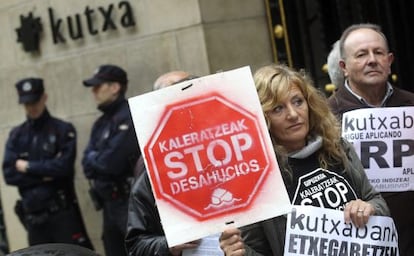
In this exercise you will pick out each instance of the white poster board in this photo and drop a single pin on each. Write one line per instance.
(384, 140)
(320, 231)
(209, 155)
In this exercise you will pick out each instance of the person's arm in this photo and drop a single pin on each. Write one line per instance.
(145, 235)
(366, 191)
(11, 155)
(114, 155)
(370, 201)
(61, 165)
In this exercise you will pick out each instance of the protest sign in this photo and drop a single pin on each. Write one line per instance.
(318, 231)
(208, 154)
(383, 139)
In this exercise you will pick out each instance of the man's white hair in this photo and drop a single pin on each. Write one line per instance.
(169, 79)
(334, 70)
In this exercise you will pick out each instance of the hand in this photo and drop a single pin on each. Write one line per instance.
(178, 249)
(358, 212)
(21, 165)
(231, 242)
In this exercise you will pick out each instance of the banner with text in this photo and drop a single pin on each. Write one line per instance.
(319, 231)
(384, 140)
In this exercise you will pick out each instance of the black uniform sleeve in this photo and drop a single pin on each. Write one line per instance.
(10, 173)
(115, 155)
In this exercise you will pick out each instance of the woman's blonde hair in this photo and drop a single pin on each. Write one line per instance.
(273, 83)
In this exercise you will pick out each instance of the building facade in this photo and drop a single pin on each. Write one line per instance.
(64, 41)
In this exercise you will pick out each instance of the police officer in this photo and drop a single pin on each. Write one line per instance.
(110, 155)
(39, 159)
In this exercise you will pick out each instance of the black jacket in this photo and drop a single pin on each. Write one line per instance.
(145, 235)
(342, 101)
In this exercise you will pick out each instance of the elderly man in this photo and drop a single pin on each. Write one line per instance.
(366, 63)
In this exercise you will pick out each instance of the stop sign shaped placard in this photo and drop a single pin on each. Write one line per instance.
(207, 156)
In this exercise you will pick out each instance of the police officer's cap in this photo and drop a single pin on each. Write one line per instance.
(107, 73)
(30, 90)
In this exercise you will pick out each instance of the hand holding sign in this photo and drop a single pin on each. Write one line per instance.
(231, 242)
(359, 212)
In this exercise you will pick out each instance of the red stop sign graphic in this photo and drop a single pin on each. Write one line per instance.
(207, 157)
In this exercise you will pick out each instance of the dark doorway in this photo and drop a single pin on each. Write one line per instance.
(311, 26)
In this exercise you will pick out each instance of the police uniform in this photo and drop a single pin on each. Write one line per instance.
(109, 159)
(48, 207)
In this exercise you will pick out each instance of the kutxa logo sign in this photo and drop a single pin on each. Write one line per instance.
(74, 27)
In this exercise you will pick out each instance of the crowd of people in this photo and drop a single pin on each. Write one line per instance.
(304, 126)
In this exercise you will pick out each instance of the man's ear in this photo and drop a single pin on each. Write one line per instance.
(342, 65)
(115, 87)
(391, 58)
(44, 97)
(390, 61)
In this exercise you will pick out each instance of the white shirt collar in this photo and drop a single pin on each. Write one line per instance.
(388, 94)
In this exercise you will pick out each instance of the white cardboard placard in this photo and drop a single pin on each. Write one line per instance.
(209, 155)
(383, 139)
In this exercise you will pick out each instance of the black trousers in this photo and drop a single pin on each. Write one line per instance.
(63, 226)
(115, 214)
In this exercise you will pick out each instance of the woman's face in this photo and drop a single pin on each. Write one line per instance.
(289, 120)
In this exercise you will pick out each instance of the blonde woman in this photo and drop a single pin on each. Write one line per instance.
(308, 144)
